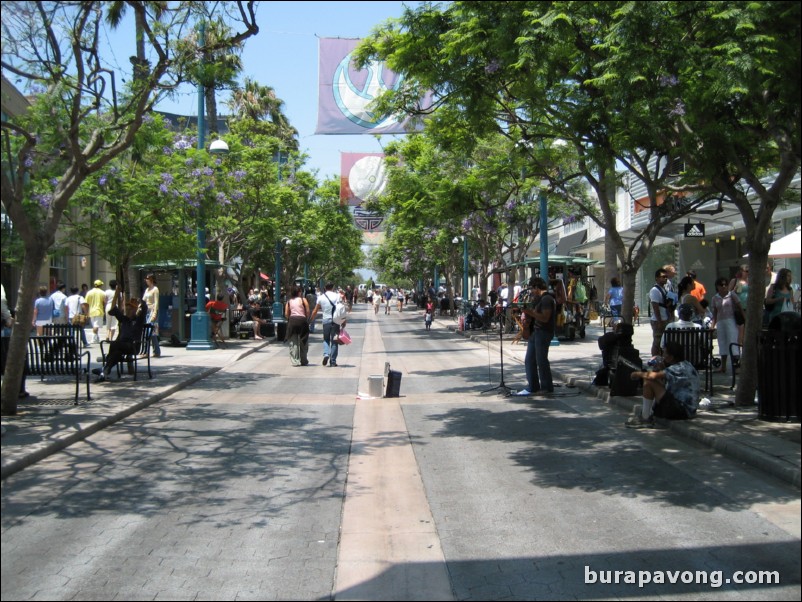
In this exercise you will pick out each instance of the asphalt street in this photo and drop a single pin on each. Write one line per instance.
(264, 481)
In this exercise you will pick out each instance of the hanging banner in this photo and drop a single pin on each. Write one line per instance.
(345, 93)
(362, 177)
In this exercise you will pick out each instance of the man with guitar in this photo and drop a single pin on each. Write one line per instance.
(541, 317)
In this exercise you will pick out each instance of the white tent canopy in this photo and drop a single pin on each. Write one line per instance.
(787, 247)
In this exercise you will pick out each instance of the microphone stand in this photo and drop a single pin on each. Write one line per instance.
(503, 387)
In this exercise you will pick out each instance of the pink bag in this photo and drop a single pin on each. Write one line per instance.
(344, 338)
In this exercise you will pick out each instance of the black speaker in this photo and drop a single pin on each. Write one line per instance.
(393, 384)
(621, 383)
(267, 330)
(281, 331)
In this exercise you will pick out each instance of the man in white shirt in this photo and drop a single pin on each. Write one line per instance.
(685, 313)
(59, 300)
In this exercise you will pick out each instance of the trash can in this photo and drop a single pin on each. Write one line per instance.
(281, 331)
(375, 385)
(778, 376)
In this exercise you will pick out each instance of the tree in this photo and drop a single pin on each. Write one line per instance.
(729, 74)
(75, 127)
(260, 105)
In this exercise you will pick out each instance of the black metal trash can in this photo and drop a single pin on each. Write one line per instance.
(778, 376)
(281, 331)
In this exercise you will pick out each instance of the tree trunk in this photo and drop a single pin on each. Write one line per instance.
(628, 279)
(15, 365)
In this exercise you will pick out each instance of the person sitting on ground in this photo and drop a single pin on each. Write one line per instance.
(253, 317)
(671, 393)
(130, 324)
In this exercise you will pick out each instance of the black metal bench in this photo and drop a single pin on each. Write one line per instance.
(58, 355)
(141, 348)
(697, 344)
(235, 318)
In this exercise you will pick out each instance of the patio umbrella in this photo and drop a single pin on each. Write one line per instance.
(787, 247)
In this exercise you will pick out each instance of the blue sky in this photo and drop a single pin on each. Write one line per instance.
(284, 55)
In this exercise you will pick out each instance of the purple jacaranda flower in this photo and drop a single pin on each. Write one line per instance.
(103, 180)
(678, 110)
(668, 80)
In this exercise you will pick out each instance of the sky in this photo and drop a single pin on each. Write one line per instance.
(284, 55)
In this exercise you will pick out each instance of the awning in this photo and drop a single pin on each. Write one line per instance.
(264, 276)
(788, 246)
(567, 243)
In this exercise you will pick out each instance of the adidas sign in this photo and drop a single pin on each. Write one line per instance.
(694, 230)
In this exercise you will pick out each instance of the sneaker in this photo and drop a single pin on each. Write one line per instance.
(524, 393)
(97, 371)
(100, 379)
(333, 364)
(636, 422)
(325, 359)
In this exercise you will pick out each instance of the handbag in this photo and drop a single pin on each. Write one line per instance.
(79, 320)
(344, 338)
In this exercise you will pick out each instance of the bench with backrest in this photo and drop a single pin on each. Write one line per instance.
(141, 348)
(697, 344)
(58, 355)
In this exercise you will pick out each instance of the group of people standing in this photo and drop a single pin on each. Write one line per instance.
(726, 311)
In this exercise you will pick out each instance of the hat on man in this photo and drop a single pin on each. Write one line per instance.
(691, 273)
(98, 283)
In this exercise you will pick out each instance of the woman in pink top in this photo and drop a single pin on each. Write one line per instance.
(297, 313)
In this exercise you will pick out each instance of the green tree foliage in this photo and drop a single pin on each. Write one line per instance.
(77, 126)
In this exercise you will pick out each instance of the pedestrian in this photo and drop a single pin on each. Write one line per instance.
(377, 301)
(111, 321)
(686, 298)
(77, 311)
(400, 300)
(326, 305)
(131, 320)
(42, 311)
(59, 299)
(387, 296)
(615, 297)
(296, 312)
(543, 315)
(699, 290)
(253, 317)
(780, 295)
(662, 309)
(428, 317)
(151, 299)
(725, 308)
(96, 298)
(671, 286)
(217, 310)
(671, 393)
(311, 300)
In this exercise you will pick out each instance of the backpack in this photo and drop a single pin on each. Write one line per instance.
(339, 311)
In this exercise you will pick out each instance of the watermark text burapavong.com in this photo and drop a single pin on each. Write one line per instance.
(714, 579)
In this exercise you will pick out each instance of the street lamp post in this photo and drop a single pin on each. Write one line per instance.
(278, 311)
(465, 291)
(200, 326)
